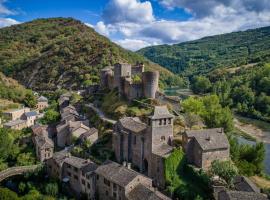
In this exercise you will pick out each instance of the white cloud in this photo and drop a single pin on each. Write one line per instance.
(222, 19)
(118, 11)
(7, 22)
(88, 24)
(4, 10)
(133, 44)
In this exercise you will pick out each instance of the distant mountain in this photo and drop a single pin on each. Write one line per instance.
(204, 55)
(60, 52)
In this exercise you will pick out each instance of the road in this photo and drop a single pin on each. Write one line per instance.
(100, 113)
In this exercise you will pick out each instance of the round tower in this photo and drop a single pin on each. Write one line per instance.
(150, 84)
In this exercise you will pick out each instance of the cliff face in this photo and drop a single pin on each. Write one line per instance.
(60, 52)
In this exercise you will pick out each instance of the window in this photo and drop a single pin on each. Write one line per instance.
(88, 185)
(114, 195)
(160, 122)
(164, 121)
(69, 174)
(83, 182)
(114, 186)
(97, 177)
(170, 121)
(76, 177)
(162, 138)
(106, 182)
(75, 169)
(107, 193)
(134, 140)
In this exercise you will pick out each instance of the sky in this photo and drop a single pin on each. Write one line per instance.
(135, 24)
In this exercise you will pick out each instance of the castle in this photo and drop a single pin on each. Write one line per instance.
(131, 81)
(145, 145)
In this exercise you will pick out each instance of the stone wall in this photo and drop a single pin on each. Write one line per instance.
(150, 84)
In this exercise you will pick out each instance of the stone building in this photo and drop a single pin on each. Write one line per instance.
(124, 77)
(114, 181)
(145, 145)
(235, 195)
(44, 147)
(42, 103)
(17, 124)
(30, 118)
(15, 114)
(204, 146)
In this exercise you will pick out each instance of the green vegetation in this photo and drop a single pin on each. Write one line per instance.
(46, 53)
(210, 110)
(13, 91)
(225, 170)
(181, 178)
(204, 55)
(247, 90)
(248, 159)
(51, 114)
(13, 151)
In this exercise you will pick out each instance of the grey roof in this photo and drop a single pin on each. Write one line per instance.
(31, 114)
(242, 183)
(161, 112)
(60, 156)
(163, 150)
(210, 139)
(132, 124)
(80, 163)
(43, 142)
(239, 195)
(14, 122)
(88, 133)
(42, 99)
(141, 192)
(116, 173)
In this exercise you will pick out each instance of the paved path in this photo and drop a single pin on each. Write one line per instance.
(100, 113)
(12, 171)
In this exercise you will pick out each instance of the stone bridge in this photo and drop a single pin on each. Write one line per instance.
(12, 171)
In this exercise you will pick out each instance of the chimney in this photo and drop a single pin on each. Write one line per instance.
(129, 165)
(124, 163)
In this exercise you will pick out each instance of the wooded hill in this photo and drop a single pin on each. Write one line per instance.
(60, 52)
(203, 55)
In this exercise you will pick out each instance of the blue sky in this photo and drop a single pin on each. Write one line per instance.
(138, 23)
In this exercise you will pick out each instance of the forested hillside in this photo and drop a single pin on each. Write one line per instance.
(203, 55)
(247, 89)
(60, 52)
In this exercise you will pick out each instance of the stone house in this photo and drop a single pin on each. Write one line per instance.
(30, 118)
(17, 124)
(235, 195)
(78, 173)
(66, 131)
(42, 103)
(15, 114)
(44, 147)
(145, 145)
(204, 146)
(115, 181)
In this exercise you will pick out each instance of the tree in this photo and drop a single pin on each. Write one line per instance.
(200, 85)
(25, 159)
(6, 194)
(30, 99)
(191, 120)
(51, 189)
(225, 170)
(193, 105)
(50, 116)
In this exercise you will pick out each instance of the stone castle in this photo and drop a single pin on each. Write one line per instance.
(131, 81)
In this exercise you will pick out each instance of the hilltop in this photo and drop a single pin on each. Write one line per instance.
(203, 55)
(60, 53)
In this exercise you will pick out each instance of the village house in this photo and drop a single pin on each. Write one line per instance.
(15, 114)
(235, 195)
(43, 144)
(115, 181)
(42, 103)
(30, 118)
(17, 124)
(145, 145)
(204, 146)
(67, 131)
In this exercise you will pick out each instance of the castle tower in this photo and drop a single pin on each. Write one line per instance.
(150, 84)
(120, 71)
(104, 73)
(160, 126)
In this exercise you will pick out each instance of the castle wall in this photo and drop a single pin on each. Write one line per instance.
(150, 84)
(135, 91)
(121, 70)
(137, 70)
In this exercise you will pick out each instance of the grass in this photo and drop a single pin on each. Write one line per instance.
(261, 181)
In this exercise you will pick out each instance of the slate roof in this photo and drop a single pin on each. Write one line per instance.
(162, 150)
(161, 112)
(31, 114)
(88, 133)
(132, 124)
(80, 163)
(116, 173)
(210, 139)
(141, 192)
(242, 183)
(42, 99)
(239, 195)
(60, 156)
(42, 141)
(14, 122)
